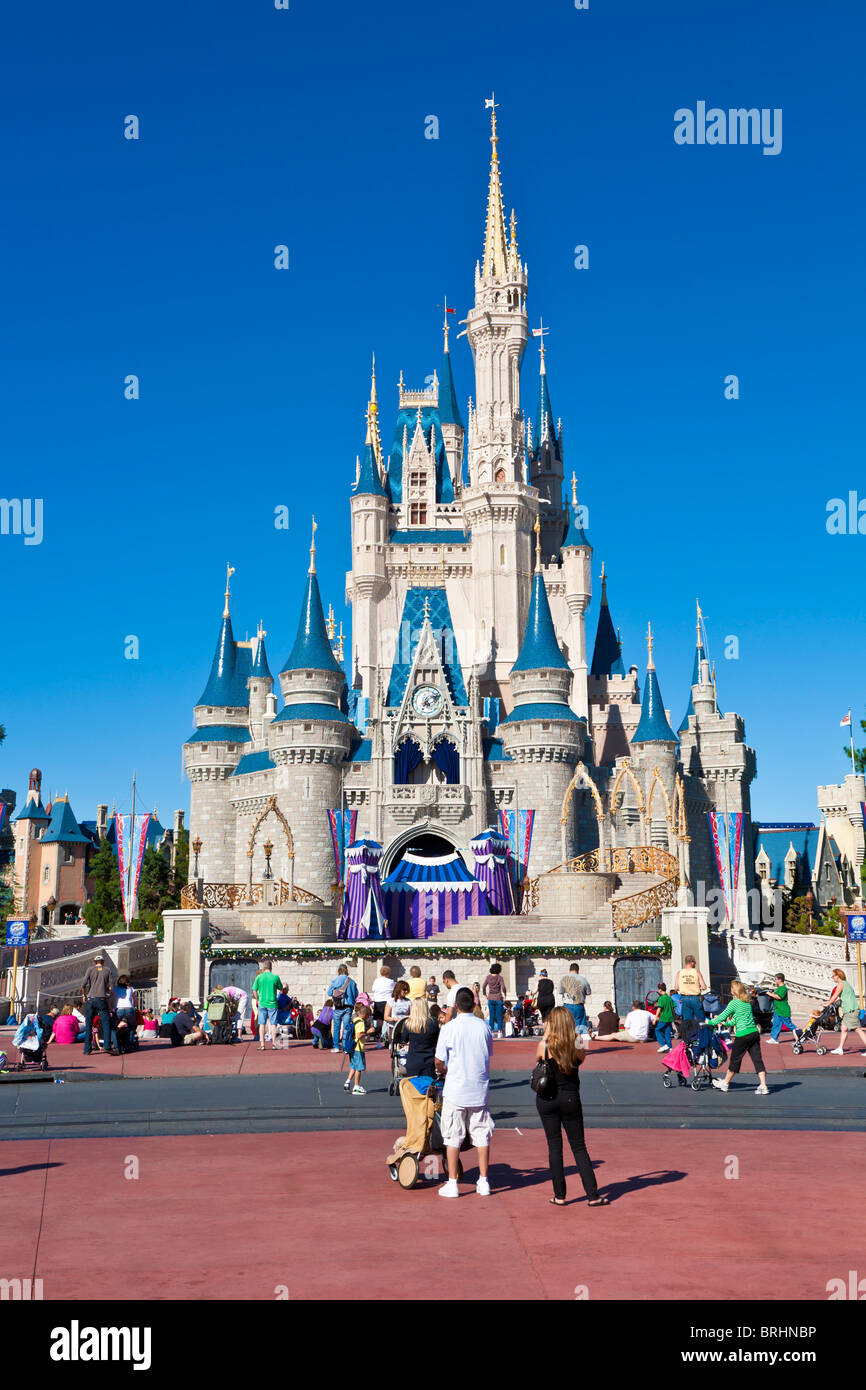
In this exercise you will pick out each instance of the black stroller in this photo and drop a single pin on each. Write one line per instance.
(398, 1048)
(31, 1039)
(825, 1020)
(221, 1009)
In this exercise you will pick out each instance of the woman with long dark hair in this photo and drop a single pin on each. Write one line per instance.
(559, 1106)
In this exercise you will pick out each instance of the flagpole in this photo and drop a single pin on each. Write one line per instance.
(129, 902)
(851, 729)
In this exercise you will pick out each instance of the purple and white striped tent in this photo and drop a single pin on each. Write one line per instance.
(424, 896)
(363, 906)
(491, 869)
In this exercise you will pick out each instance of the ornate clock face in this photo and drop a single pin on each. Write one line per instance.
(427, 701)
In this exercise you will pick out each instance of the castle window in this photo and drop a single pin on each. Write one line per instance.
(418, 514)
(500, 475)
(45, 873)
(418, 480)
(69, 857)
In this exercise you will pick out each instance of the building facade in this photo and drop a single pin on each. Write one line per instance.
(469, 686)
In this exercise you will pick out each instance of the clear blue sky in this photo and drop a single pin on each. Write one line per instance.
(306, 127)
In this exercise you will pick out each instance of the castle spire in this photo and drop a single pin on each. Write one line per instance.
(537, 529)
(494, 262)
(540, 649)
(606, 656)
(653, 726)
(449, 410)
(229, 573)
(700, 657)
(312, 569)
(575, 535)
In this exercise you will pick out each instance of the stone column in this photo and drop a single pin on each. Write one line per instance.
(687, 928)
(181, 965)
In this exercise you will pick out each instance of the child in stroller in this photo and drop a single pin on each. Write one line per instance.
(822, 1020)
(695, 1057)
(32, 1036)
(526, 1018)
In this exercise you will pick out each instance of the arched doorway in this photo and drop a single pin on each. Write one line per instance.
(427, 843)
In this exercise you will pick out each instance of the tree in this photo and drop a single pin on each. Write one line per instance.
(154, 885)
(180, 877)
(799, 916)
(831, 922)
(104, 912)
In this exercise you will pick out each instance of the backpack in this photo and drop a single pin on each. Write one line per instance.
(349, 1045)
(339, 996)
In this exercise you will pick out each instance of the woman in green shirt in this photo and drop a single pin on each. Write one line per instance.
(843, 995)
(747, 1038)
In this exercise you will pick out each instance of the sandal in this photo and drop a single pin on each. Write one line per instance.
(599, 1201)
(557, 1201)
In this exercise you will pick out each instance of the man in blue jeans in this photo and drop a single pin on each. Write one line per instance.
(97, 988)
(575, 991)
(691, 986)
(344, 992)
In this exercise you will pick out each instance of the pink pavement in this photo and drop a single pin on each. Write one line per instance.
(242, 1216)
(513, 1054)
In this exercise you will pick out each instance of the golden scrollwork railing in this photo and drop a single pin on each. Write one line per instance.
(642, 907)
(231, 895)
(623, 859)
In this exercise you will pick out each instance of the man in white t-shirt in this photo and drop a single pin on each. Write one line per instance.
(463, 1054)
(637, 1024)
(451, 987)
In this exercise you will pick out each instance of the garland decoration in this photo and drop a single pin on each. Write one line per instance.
(349, 950)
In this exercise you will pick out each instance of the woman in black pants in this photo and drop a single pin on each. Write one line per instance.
(559, 1109)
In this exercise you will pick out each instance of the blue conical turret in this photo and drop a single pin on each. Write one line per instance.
(227, 682)
(370, 470)
(700, 655)
(260, 666)
(606, 655)
(653, 726)
(312, 649)
(575, 535)
(540, 650)
(449, 411)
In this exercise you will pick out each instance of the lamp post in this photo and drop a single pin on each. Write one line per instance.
(196, 849)
(269, 849)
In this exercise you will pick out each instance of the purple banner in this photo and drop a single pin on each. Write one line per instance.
(131, 843)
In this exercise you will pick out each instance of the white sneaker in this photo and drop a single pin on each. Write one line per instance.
(335, 1049)
(719, 1085)
(482, 1187)
(449, 1188)
(347, 1085)
(664, 1049)
(774, 1041)
(837, 1052)
(358, 1091)
(762, 1091)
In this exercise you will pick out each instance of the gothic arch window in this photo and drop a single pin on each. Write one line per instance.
(500, 475)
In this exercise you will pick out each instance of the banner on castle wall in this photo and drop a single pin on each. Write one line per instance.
(863, 812)
(342, 825)
(726, 833)
(131, 843)
(517, 828)
(4, 808)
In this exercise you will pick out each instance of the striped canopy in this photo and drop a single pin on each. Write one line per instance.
(423, 896)
(363, 905)
(491, 869)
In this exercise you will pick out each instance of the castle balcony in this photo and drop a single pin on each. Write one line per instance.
(447, 803)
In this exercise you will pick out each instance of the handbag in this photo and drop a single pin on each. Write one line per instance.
(542, 1078)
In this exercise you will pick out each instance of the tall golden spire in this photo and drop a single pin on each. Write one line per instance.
(513, 255)
(312, 569)
(332, 624)
(373, 435)
(229, 573)
(574, 489)
(603, 583)
(537, 529)
(495, 259)
(650, 642)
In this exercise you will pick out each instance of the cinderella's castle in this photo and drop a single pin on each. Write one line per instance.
(469, 686)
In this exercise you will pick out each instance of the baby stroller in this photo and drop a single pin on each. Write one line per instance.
(694, 1059)
(31, 1040)
(221, 1009)
(526, 1018)
(423, 1135)
(398, 1049)
(826, 1020)
(295, 1025)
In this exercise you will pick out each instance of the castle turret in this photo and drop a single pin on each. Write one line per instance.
(654, 725)
(542, 732)
(577, 573)
(700, 658)
(30, 825)
(212, 753)
(308, 741)
(367, 581)
(545, 467)
(654, 753)
(449, 416)
(262, 700)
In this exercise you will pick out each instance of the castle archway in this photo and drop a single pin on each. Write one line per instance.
(428, 841)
